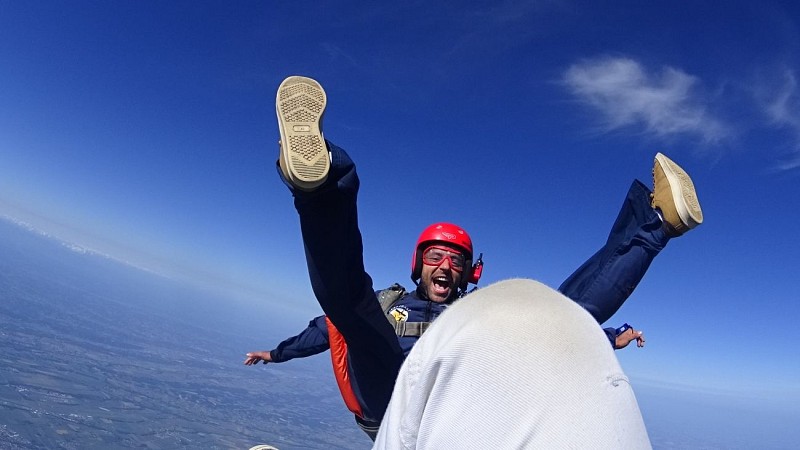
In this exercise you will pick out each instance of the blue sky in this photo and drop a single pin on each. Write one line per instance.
(146, 131)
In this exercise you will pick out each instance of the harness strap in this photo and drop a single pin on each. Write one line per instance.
(387, 298)
(410, 328)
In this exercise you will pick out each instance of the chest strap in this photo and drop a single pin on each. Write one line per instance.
(414, 329)
(387, 298)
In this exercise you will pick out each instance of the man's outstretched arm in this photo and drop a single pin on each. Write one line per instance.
(311, 341)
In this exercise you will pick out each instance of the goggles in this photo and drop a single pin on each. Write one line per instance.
(435, 256)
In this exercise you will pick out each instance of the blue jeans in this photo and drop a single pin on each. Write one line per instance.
(603, 283)
(334, 254)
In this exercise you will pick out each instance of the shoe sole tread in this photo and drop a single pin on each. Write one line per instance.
(300, 105)
(683, 191)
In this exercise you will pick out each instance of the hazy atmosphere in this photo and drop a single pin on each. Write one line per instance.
(144, 133)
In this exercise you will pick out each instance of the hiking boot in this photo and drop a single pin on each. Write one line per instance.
(674, 195)
(300, 104)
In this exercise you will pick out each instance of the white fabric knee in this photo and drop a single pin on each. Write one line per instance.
(513, 365)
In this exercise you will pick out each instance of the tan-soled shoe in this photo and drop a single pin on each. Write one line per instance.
(300, 105)
(674, 195)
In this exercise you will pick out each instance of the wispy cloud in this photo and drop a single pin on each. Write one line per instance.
(503, 13)
(781, 105)
(663, 103)
(492, 27)
(336, 54)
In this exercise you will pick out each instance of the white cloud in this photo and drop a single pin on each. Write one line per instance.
(626, 95)
(782, 107)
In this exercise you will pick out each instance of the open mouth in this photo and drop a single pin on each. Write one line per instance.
(441, 286)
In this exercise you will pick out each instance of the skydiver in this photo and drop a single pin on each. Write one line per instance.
(323, 181)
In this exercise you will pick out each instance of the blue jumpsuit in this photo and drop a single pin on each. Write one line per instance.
(334, 254)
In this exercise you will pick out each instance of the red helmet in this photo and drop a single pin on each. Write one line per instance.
(451, 235)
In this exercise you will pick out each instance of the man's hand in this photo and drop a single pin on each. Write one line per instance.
(627, 336)
(265, 357)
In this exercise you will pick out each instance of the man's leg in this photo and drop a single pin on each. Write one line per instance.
(603, 283)
(326, 203)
